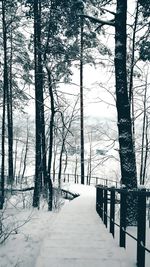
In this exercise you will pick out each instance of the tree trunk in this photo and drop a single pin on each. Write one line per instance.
(60, 168)
(126, 149)
(90, 160)
(66, 162)
(75, 171)
(2, 178)
(81, 105)
(38, 163)
(15, 161)
(144, 141)
(131, 72)
(5, 88)
(20, 165)
(133, 59)
(51, 137)
(146, 151)
(10, 119)
(54, 160)
(60, 161)
(127, 155)
(25, 155)
(41, 100)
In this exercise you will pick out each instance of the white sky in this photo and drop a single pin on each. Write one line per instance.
(94, 93)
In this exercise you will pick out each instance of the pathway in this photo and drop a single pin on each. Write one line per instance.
(79, 239)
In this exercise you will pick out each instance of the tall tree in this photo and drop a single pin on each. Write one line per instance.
(126, 147)
(10, 115)
(39, 104)
(127, 154)
(51, 137)
(5, 88)
(81, 101)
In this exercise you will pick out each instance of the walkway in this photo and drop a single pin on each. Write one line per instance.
(79, 239)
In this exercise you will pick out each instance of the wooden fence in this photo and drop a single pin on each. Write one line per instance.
(108, 197)
(76, 178)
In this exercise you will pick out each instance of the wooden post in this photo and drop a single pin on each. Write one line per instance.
(101, 202)
(105, 207)
(123, 196)
(141, 230)
(112, 212)
(64, 180)
(87, 179)
(97, 200)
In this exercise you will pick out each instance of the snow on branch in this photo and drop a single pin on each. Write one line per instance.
(102, 22)
(106, 10)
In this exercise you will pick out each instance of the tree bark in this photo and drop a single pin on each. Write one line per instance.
(126, 148)
(10, 117)
(38, 163)
(127, 155)
(131, 72)
(51, 137)
(41, 100)
(25, 155)
(60, 158)
(144, 141)
(81, 105)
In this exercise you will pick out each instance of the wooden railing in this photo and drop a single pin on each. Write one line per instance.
(107, 197)
(92, 180)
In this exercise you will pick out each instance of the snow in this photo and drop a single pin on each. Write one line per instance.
(74, 236)
(79, 238)
(22, 248)
(141, 186)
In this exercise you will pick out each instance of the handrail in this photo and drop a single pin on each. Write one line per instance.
(88, 180)
(101, 207)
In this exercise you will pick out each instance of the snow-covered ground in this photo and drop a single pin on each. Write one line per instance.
(73, 236)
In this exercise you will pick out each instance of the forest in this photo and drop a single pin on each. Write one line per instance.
(45, 131)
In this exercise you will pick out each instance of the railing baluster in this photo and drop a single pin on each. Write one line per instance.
(99, 202)
(87, 179)
(123, 196)
(112, 212)
(97, 199)
(105, 206)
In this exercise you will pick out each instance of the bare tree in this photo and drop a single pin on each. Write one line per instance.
(144, 139)
(38, 101)
(66, 125)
